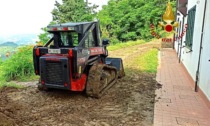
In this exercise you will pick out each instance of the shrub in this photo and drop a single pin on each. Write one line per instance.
(129, 36)
(114, 40)
(18, 65)
(1, 61)
(105, 34)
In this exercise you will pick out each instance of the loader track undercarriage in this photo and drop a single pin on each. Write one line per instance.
(100, 78)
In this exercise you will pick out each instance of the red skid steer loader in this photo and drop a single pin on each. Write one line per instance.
(75, 59)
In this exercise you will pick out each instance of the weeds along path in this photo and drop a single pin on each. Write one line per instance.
(130, 102)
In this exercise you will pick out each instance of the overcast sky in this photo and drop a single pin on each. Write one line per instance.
(27, 16)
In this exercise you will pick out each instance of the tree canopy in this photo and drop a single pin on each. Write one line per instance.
(69, 11)
(131, 19)
(121, 20)
(73, 11)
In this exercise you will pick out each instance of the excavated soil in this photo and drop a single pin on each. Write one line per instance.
(130, 102)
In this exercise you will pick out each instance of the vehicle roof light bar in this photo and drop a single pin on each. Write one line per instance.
(61, 29)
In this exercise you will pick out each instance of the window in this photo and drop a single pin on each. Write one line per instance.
(89, 42)
(190, 27)
(69, 39)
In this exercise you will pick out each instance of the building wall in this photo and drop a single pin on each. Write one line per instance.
(190, 59)
(205, 57)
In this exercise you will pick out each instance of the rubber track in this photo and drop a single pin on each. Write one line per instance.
(101, 77)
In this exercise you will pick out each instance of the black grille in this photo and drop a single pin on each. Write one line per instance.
(54, 73)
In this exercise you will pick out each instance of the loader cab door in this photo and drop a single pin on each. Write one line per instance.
(91, 37)
(90, 41)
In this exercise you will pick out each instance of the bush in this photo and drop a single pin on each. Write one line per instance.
(114, 40)
(105, 34)
(129, 36)
(18, 65)
(1, 61)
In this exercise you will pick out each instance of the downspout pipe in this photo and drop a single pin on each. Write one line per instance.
(180, 54)
(201, 47)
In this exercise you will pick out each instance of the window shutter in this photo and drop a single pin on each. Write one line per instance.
(190, 28)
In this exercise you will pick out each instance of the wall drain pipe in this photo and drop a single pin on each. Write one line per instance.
(201, 47)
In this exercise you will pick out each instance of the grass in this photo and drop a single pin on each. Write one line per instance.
(147, 62)
(9, 84)
(28, 78)
(124, 45)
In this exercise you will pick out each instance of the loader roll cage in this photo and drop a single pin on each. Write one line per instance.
(70, 35)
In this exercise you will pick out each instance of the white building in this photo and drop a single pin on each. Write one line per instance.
(193, 49)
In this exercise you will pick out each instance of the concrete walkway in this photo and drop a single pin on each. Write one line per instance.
(176, 102)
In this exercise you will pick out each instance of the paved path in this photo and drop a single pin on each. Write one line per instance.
(177, 103)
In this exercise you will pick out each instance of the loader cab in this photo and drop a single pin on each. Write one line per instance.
(70, 35)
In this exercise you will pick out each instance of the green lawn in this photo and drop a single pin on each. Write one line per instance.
(125, 44)
(148, 62)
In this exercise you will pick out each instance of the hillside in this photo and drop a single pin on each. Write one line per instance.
(11, 44)
(7, 47)
(19, 39)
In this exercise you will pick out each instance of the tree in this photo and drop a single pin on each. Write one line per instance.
(69, 11)
(44, 37)
(73, 11)
(131, 19)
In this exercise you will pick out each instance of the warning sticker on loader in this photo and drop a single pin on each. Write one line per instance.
(54, 51)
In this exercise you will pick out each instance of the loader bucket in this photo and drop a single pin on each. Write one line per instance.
(116, 62)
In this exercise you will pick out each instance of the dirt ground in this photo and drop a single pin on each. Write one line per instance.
(130, 102)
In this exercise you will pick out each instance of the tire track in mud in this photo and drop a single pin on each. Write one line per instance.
(130, 102)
